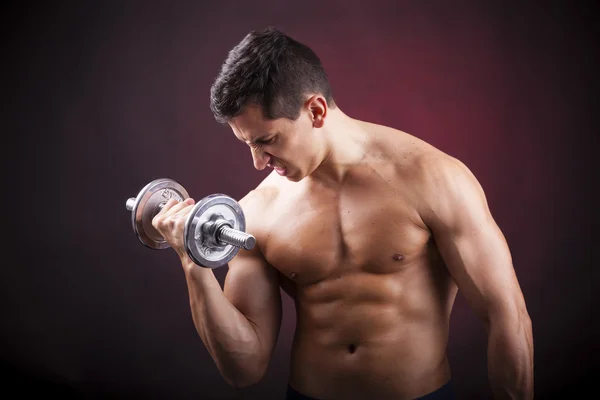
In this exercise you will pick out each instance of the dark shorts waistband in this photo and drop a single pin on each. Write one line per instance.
(445, 392)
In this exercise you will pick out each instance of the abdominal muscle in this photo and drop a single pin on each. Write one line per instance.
(377, 336)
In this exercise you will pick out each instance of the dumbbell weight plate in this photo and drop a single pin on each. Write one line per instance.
(147, 205)
(200, 246)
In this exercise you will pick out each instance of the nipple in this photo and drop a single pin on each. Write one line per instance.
(398, 257)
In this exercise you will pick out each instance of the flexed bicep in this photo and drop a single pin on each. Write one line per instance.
(252, 286)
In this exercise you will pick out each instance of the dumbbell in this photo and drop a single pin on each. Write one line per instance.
(214, 231)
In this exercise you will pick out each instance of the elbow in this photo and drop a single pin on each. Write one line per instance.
(244, 381)
(243, 384)
(246, 377)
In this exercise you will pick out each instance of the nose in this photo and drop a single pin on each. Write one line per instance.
(260, 159)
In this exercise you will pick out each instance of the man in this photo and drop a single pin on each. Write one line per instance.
(370, 230)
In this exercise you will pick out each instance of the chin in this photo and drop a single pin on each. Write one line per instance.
(294, 177)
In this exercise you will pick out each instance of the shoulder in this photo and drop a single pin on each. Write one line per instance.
(407, 152)
(415, 160)
(440, 183)
(255, 205)
(256, 201)
(441, 174)
(436, 169)
(427, 165)
(449, 191)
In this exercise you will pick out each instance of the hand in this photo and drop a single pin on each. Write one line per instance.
(170, 223)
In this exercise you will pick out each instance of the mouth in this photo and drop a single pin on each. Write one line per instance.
(280, 170)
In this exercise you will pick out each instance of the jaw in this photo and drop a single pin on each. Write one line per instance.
(293, 178)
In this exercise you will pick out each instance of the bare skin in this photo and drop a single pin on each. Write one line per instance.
(372, 232)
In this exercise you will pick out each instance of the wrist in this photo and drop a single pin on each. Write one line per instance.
(194, 271)
(186, 262)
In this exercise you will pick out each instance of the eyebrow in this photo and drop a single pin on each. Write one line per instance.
(258, 139)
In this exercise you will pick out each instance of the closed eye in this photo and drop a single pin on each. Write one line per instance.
(258, 143)
(266, 141)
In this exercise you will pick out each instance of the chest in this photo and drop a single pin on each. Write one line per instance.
(313, 235)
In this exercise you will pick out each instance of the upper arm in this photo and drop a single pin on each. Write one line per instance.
(469, 240)
(252, 286)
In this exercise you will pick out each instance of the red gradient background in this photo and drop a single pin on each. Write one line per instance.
(102, 97)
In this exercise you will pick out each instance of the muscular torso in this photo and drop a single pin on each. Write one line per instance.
(373, 296)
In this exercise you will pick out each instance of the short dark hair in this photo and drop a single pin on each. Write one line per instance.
(271, 70)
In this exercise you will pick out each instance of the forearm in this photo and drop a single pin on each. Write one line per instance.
(510, 357)
(227, 334)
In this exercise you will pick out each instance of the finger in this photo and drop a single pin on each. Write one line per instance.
(168, 205)
(174, 209)
(183, 211)
(186, 203)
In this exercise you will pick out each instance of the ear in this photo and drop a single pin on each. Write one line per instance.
(317, 108)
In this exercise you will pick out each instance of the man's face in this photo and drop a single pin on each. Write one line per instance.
(287, 146)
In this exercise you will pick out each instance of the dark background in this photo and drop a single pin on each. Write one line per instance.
(102, 97)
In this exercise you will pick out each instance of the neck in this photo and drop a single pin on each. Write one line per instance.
(345, 146)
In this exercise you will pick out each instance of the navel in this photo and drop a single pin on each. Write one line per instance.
(398, 257)
(351, 348)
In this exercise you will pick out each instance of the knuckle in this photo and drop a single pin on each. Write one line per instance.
(168, 222)
(180, 223)
(157, 221)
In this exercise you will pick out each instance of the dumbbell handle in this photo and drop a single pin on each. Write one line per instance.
(236, 238)
(131, 203)
(224, 234)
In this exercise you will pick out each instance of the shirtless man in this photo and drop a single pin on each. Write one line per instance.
(370, 230)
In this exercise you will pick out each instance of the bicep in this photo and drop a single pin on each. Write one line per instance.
(251, 285)
(472, 245)
(479, 261)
